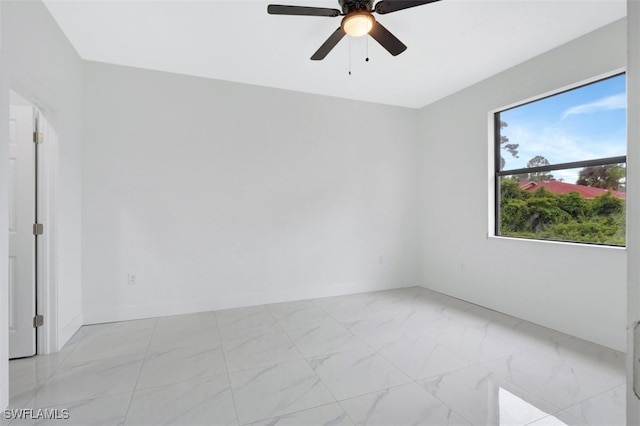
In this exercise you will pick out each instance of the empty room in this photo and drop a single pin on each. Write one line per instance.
(322, 212)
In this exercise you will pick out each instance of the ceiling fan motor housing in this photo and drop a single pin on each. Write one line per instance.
(358, 21)
(354, 5)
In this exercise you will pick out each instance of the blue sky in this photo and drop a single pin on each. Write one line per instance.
(585, 123)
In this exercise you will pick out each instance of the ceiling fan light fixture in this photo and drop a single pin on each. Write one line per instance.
(357, 24)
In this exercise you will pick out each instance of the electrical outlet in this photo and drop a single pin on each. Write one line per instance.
(131, 279)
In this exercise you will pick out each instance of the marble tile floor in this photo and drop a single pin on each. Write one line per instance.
(399, 357)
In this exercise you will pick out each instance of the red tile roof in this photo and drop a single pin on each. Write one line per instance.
(557, 187)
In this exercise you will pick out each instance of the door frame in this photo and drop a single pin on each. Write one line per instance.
(633, 212)
(46, 243)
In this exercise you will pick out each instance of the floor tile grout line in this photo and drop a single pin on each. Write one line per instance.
(292, 413)
(226, 366)
(585, 399)
(51, 376)
(542, 398)
(310, 367)
(61, 362)
(311, 357)
(444, 403)
(435, 375)
(547, 416)
(78, 400)
(544, 353)
(323, 383)
(380, 390)
(181, 382)
(295, 361)
(377, 391)
(346, 412)
(474, 361)
(526, 390)
(523, 350)
(133, 392)
(373, 348)
(397, 386)
(40, 384)
(328, 353)
(53, 372)
(281, 330)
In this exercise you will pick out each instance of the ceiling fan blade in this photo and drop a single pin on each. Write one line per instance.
(328, 45)
(386, 39)
(277, 9)
(388, 6)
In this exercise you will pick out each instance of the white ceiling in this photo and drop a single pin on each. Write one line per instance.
(451, 44)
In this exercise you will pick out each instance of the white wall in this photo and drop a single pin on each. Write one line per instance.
(576, 289)
(218, 194)
(633, 208)
(40, 64)
(4, 243)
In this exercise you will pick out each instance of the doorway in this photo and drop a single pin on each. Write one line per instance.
(31, 230)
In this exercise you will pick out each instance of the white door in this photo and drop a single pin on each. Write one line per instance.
(22, 242)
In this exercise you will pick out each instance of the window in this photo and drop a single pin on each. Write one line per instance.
(560, 166)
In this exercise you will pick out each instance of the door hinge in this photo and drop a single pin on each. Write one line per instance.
(38, 321)
(38, 137)
(38, 229)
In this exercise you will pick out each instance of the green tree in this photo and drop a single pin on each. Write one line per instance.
(607, 205)
(562, 217)
(538, 161)
(590, 231)
(510, 190)
(511, 148)
(609, 176)
(533, 214)
(574, 204)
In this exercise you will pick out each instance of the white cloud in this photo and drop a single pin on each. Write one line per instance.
(558, 146)
(618, 101)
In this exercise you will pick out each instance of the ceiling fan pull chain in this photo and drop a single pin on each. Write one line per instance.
(367, 58)
(349, 55)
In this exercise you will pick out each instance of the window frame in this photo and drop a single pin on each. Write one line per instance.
(498, 174)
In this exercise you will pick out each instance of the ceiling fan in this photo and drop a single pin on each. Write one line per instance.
(358, 21)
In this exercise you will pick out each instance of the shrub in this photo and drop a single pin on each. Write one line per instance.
(564, 217)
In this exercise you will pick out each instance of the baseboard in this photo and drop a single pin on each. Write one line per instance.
(65, 333)
(95, 314)
(545, 320)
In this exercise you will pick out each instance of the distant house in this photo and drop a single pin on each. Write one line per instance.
(556, 187)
